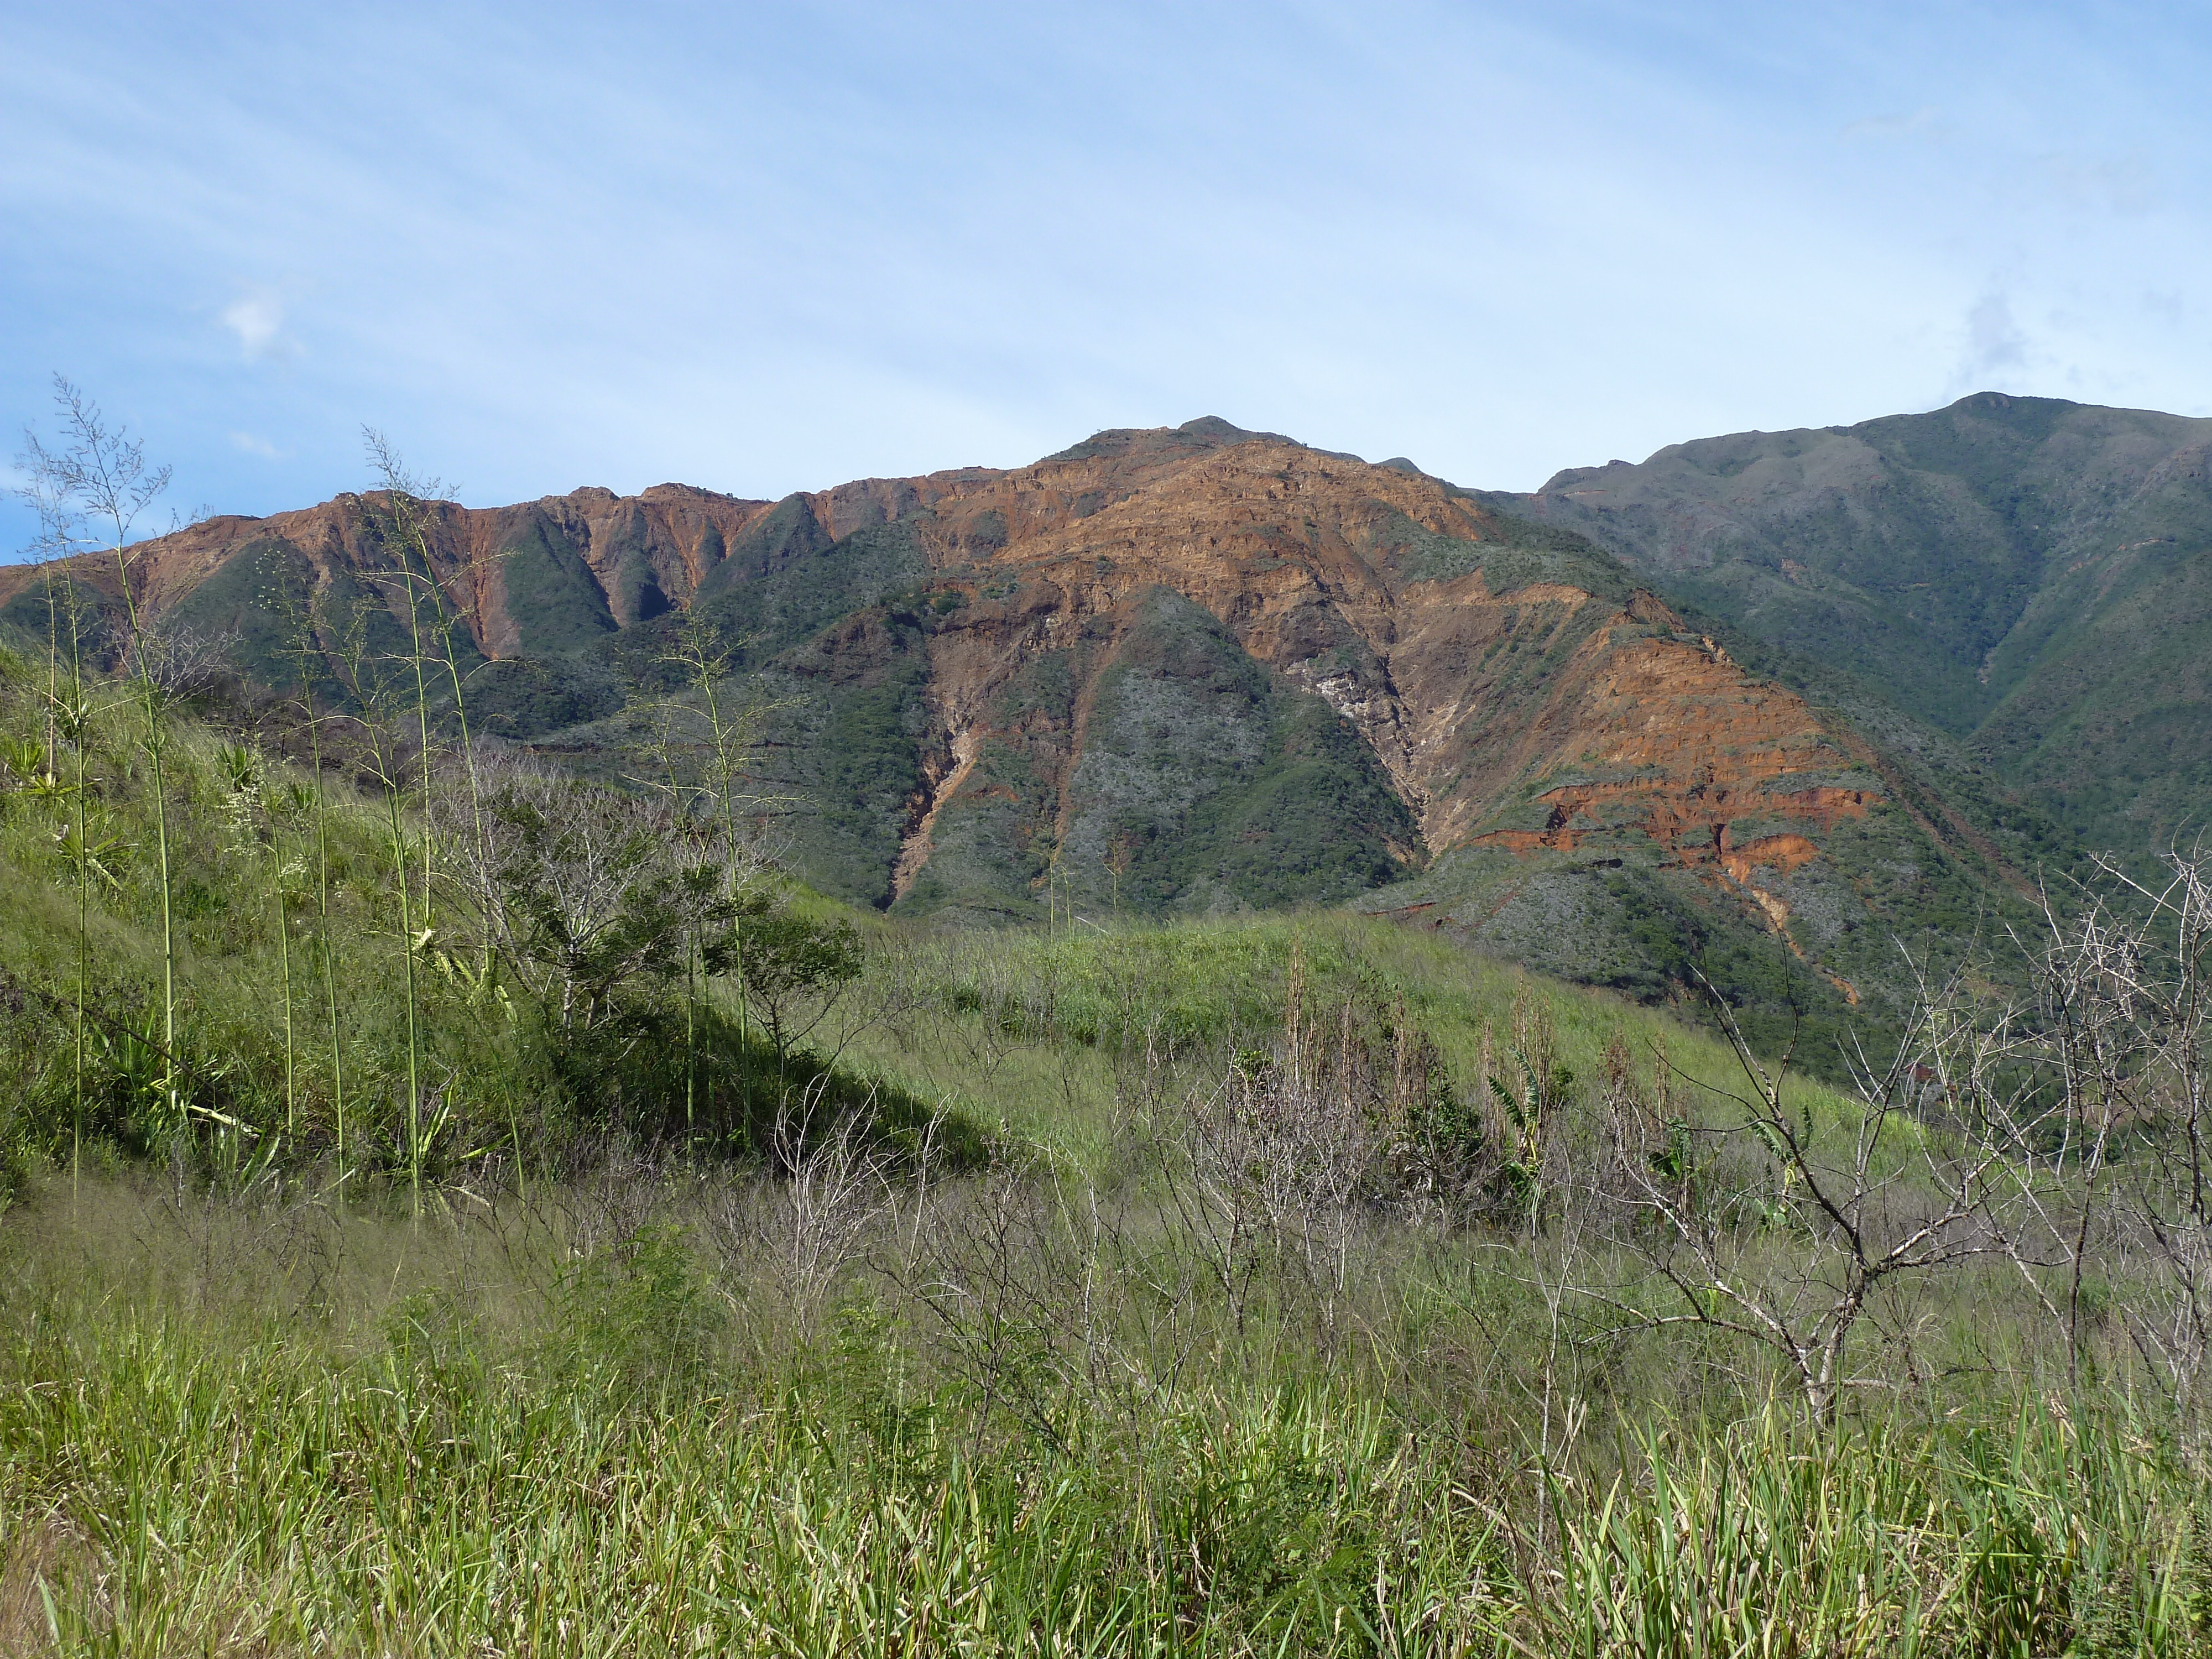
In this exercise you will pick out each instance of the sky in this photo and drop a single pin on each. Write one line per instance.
(770, 247)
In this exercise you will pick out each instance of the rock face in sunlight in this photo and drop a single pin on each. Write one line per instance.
(1180, 670)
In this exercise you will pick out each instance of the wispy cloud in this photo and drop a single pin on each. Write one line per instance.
(1994, 339)
(247, 443)
(2124, 185)
(1893, 126)
(1996, 347)
(2167, 305)
(257, 317)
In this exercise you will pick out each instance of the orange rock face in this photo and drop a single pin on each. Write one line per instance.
(1304, 558)
(1518, 699)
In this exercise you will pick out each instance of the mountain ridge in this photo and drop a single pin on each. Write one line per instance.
(2033, 575)
(1180, 670)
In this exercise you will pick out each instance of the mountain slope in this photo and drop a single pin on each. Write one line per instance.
(2034, 576)
(1179, 671)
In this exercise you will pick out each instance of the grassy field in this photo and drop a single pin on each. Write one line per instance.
(437, 1270)
(598, 1422)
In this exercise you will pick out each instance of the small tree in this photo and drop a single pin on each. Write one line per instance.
(590, 890)
(794, 970)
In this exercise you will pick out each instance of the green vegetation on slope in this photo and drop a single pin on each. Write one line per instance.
(338, 998)
(2027, 574)
(1206, 782)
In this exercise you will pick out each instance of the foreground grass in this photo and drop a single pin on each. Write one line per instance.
(234, 1430)
(618, 1373)
(264, 1500)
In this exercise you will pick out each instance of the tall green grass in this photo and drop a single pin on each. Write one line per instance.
(237, 1427)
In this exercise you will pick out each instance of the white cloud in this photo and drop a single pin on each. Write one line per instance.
(253, 446)
(1997, 345)
(256, 319)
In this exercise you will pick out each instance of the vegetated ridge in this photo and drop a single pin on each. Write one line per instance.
(2031, 575)
(1186, 670)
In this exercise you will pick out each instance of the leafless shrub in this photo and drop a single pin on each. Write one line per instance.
(1787, 1229)
(610, 1191)
(987, 1262)
(1277, 1156)
(814, 1216)
(171, 660)
(2059, 1137)
(2132, 999)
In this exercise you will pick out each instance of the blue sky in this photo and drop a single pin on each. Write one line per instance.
(770, 247)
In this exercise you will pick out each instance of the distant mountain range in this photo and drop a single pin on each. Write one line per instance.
(1758, 709)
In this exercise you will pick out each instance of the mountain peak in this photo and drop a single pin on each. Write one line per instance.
(1217, 430)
